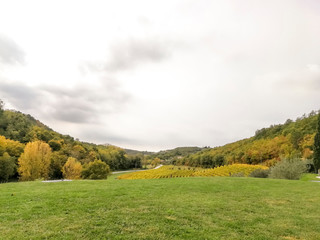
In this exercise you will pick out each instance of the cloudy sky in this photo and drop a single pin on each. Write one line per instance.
(153, 75)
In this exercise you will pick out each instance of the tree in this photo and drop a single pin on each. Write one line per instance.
(58, 159)
(1, 106)
(34, 162)
(144, 162)
(316, 153)
(55, 145)
(72, 169)
(96, 170)
(295, 137)
(7, 167)
(155, 162)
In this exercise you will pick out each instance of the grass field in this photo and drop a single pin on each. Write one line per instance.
(177, 208)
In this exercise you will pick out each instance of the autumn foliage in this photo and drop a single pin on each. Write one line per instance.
(34, 162)
(72, 169)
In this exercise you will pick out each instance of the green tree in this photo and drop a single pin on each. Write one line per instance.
(1, 106)
(7, 167)
(55, 145)
(58, 159)
(316, 153)
(295, 137)
(156, 161)
(96, 170)
(34, 162)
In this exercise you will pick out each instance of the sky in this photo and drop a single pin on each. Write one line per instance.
(155, 75)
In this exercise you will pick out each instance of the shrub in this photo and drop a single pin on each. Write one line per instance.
(288, 169)
(260, 173)
(96, 170)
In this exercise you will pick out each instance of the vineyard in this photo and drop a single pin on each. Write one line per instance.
(229, 170)
(182, 171)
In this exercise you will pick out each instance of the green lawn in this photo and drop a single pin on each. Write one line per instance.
(178, 208)
(309, 177)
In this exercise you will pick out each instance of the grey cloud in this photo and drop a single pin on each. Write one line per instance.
(106, 137)
(85, 104)
(77, 105)
(10, 52)
(68, 109)
(129, 54)
(21, 96)
(73, 114)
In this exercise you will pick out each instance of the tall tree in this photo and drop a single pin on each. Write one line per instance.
(72, 169)
(34, 162)
(7, 167)
(316, 153)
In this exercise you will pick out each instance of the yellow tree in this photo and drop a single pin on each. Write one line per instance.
(34, 162)
(72, 169)
(155, 162)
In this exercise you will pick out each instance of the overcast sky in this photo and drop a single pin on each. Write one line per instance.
(153, 75)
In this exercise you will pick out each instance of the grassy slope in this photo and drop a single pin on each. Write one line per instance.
(179, 208)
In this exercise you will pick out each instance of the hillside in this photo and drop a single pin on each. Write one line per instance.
(269, 145)
(17, 129)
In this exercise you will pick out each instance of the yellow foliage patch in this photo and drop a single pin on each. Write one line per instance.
(229, 170)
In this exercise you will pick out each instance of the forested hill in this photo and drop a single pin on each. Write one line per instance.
(18, 129)
(17, 126)
(269, 145)
(178, 152)
(132, 152)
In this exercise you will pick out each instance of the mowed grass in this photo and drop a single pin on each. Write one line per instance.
(177, 208)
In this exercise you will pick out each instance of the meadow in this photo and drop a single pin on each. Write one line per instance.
(173, 208)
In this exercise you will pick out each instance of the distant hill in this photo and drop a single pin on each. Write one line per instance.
(179, 152)
(269, 145)
(132, 152)
(166, 155)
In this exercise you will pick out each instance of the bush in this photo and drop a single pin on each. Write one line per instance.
(96, 170)
(288, 169)
(260, 173)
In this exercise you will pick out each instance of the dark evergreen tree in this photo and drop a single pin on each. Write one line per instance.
(316, 156)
